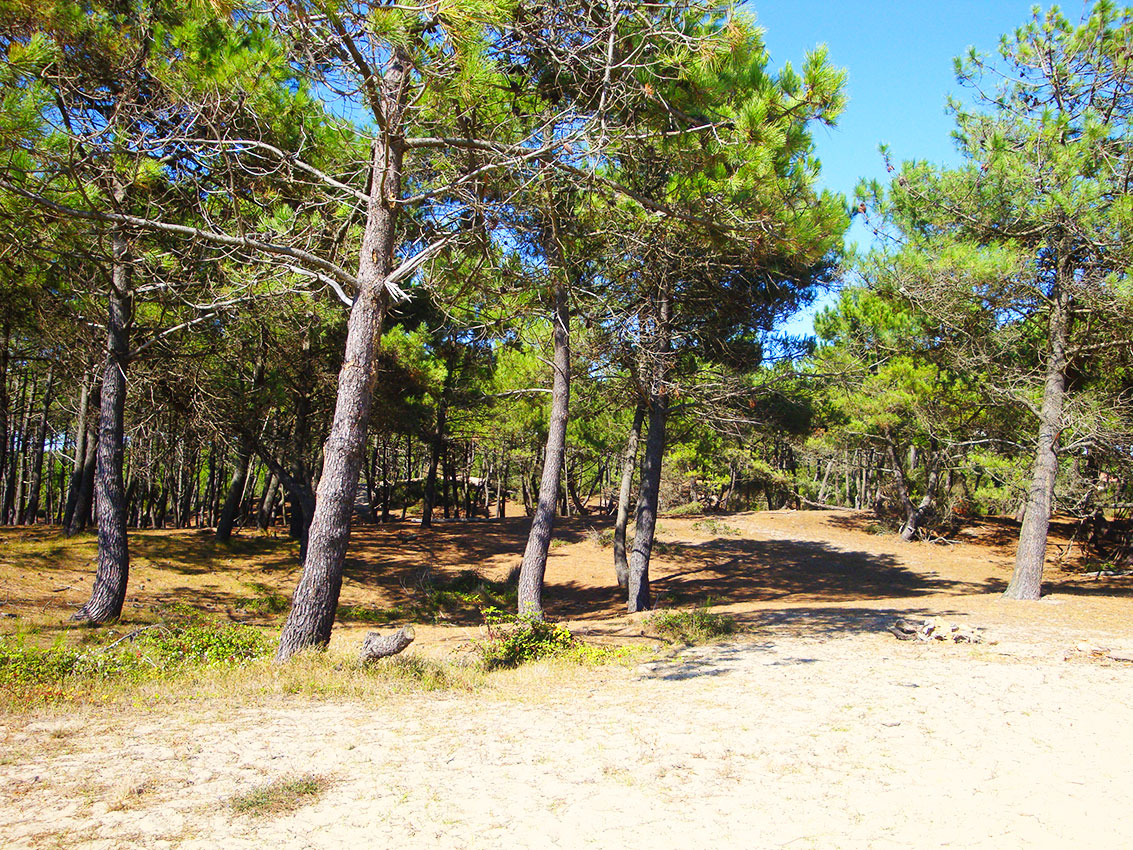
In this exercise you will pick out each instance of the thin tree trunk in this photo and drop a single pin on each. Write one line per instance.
(316, 598)
(15, 511)
(534, 564)
(109, 592)
(1026, 580)
(267, 502)
(235, 495)
(621, 563)
(436, 446)
(31, 512)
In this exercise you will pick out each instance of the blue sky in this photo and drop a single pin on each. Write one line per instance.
(899, 59)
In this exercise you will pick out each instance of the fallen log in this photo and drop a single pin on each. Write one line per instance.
(377, 646)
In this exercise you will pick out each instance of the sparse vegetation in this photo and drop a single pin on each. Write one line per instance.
(717, 527)
(697, 625)
(280, 796)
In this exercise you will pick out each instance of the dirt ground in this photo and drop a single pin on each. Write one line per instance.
(814, 729)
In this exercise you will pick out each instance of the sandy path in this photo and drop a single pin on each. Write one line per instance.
(786, 741)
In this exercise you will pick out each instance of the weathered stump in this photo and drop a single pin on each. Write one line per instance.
(377, 646)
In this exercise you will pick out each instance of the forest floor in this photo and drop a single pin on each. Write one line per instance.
(814, 728)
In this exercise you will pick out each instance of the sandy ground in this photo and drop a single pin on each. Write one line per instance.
(816, 730)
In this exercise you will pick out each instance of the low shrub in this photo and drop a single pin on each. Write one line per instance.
(514, 640)
(697, 625)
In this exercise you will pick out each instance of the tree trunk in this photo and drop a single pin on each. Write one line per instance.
(31, 512)
(534, 564)
(429, 496)
(235, 497)
(109, 591)
(1026, 580)
(650, 486)
(316, 598)
(647, 499)
(621, 564)
(4, 344)
(266, 510)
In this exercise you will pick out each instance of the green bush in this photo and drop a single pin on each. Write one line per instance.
(516, 640)
(699, 625)
(602, 539)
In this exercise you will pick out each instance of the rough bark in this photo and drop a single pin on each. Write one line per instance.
(109, 590)
(534, 564)
(638, 596)
(1026, 580)
(621, 563)
(315, 601)
(647, 499)
(376, 646)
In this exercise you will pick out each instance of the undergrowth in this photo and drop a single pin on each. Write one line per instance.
(513, 640)
(696, 625)
(31, 676)
(712, 525)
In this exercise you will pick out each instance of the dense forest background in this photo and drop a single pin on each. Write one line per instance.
(292, 265)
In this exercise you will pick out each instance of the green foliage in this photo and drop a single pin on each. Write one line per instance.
(712, 525)
(688, 509)
(516, 640)
(31, 675)
(698, 625)
(266, 601)
(279, 796)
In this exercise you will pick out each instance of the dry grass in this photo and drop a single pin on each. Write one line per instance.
(279, 796)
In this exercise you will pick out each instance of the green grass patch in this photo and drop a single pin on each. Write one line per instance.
(697, 625)
(712, 525)
(691, 509)
(267, 601)
(32, 676)
(279, 796)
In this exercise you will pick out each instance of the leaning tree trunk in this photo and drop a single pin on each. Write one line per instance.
(534, 564)
(110, 579)
(621, 564)
(235, 497)
(1026, 580)
(316, 598)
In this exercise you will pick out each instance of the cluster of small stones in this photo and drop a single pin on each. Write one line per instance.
(935, 629)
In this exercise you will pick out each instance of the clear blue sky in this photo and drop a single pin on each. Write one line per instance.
(899, 59)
